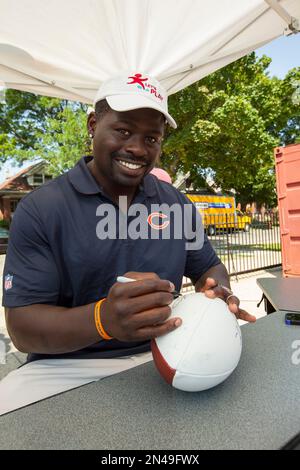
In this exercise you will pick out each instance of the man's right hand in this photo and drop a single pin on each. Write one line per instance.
(138, 311)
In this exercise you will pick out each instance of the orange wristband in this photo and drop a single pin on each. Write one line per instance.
(98, 323)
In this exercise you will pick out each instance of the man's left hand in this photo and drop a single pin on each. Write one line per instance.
(214, 289)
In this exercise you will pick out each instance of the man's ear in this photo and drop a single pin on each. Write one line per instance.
(91, 123)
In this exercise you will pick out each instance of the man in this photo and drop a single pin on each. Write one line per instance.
(63, 303)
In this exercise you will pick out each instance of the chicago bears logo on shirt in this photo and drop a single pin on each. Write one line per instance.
(157, 226)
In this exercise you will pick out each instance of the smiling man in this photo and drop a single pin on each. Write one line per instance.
(63, 304)
(126, 147)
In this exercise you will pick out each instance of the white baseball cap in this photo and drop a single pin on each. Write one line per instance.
(134, 91)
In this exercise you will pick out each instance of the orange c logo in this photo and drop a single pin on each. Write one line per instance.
(157, 226)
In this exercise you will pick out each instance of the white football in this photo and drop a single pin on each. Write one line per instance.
(204, 350)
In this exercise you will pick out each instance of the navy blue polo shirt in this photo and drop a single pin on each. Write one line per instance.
(56, 257)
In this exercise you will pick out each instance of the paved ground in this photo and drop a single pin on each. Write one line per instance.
(244, 287)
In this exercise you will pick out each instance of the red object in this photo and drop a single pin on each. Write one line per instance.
(287, 162)
(163, 367)
(161, 175)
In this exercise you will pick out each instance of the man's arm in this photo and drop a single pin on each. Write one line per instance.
(218, 272)
(137, 311)
(48, 329)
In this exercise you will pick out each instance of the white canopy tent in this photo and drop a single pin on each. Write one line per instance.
(67, 48)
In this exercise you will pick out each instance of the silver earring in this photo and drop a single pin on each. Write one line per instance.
(91, 135)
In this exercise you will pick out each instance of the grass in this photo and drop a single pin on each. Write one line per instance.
(268, 246)
(250, 247)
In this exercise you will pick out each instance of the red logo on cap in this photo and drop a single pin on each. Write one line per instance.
(137, 78)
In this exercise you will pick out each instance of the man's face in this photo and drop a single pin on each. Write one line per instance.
(126, 145)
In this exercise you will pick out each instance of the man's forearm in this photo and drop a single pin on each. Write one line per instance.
(218, 272)
(48, 329)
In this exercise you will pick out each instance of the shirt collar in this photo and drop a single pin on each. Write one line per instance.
(83, 181)
(81, 178)
(147, 186)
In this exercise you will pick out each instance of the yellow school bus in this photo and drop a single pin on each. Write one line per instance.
(219, 213)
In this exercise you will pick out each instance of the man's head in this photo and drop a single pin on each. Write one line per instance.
(135, 91)
(127, 128)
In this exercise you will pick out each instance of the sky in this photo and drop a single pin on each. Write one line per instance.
(284, 52)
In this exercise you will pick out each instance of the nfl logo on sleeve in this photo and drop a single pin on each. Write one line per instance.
(8, 281)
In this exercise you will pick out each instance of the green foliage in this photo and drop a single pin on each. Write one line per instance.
(4, 224)
(229, 123)
(65, 140)
(37, 127)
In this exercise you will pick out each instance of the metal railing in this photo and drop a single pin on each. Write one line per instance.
(244, 243)
(3, 246)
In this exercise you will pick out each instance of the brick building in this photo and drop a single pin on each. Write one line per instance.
(14, 188)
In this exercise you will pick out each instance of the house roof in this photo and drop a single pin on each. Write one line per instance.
(18, 182)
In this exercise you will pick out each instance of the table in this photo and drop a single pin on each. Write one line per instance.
(257, 407)
(281, 293)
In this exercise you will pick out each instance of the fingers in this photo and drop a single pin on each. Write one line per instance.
(243, 315)
(140, 276)
(158, 330)
(142, 287)
(151, 317)
(210, 283)
(239, 313)
(233, 303)
(147, 302)
(214, 290)
(135, 310)
(147, 324)
(212, 293)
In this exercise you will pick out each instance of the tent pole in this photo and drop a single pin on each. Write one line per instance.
(293, 25)
(53, 83)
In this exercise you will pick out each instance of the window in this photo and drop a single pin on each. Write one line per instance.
(13, 205)
(38, 178)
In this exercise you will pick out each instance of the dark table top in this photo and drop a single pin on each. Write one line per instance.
(257, 407)
(283, 293)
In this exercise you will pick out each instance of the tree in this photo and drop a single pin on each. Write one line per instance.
(65, 139)
(229, 123)
(37, 127)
